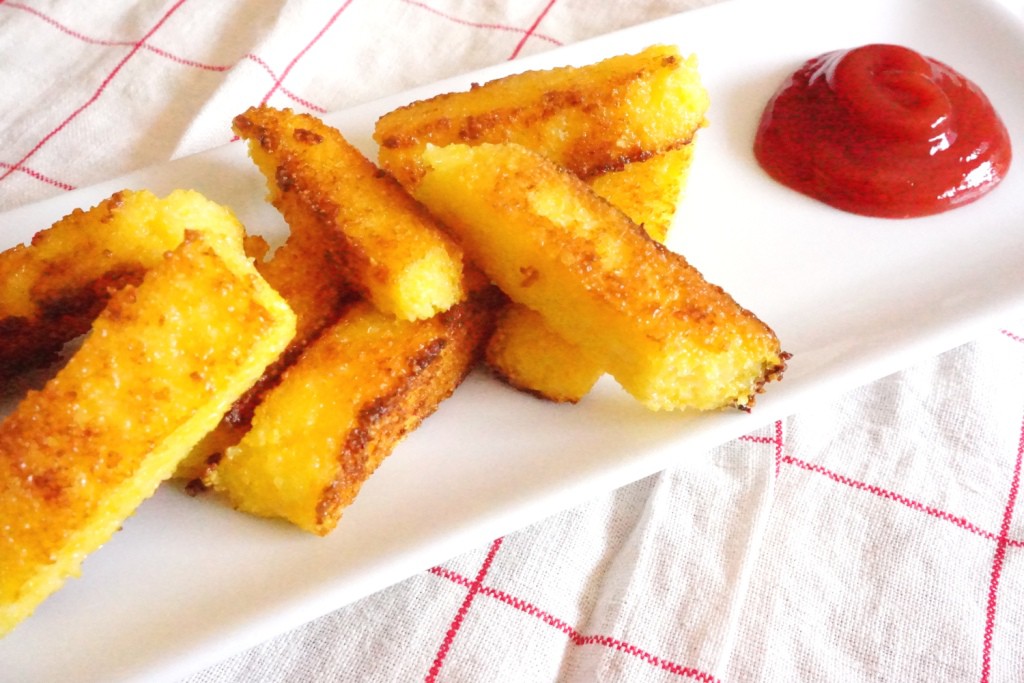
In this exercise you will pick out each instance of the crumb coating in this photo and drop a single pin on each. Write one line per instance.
(669, 337)
(591, 119)
(343, 406)
(162, 363)
(388, 247)
(56, 285)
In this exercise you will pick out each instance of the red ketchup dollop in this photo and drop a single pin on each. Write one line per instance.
(881, 130)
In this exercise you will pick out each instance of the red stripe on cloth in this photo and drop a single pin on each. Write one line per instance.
(99, 91)
(1014, 337)
(896, 497)
(40, 177)
(63, 28)
(533, 27)
(474, 24)
(576, 637)
(450, 575)
(303, 51)
(997, 564)
(778, 447)
(775, 440)
(219, 68)
(187, 62)
(453, 628)
(292, 96)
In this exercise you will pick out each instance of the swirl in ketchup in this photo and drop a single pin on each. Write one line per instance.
(881, 130)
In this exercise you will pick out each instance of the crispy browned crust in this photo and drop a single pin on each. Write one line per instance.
(773, 373)
(430, 376)
(163, 362)
(63, 309)
(57, 284)
(32, 342)
(302, 272)
(670, 338)
(376, 236)
(592, 119)
(341, 408)
(524, 351)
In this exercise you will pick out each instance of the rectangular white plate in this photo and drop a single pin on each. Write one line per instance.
(188, 582)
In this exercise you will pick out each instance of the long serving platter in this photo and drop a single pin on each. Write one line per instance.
(188, 582)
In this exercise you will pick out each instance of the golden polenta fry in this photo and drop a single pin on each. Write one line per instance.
(527, 354)
(590, 119)
(524, 351)
(162, 363)
(302, 272)
(669, 337)
(55, 286)
(343, 406)
(626, 125)
(648, 191)
(387, 247)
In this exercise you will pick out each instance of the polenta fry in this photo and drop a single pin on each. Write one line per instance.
(668, 337)
(591, 119)
(342, 407)
(527, 354)
(524, 351)
(626, 125)
(300, 271)
(162, 364)
(387, 247)
(54, 287)
(648, 191)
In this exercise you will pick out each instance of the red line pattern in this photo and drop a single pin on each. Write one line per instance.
(778, 447)
(39, 176)
(997, 564)
(135, 46)
(63, 28)
(1002, 539)
(98, 92)
(453, 629)
(1014, 337)
(303, 51)
(292, 96)
(575, 636)
(775, 440)
(473, 24)
(530, 31)
(177, 59)
(898, 498)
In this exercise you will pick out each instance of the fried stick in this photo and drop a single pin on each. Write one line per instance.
(55, 286)
(669, 337)
(162, 363)
(626, 125)
(343, 406)
(387, 247)
(591, 119)
(524, 350)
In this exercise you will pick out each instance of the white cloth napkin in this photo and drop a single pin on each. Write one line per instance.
(876, 536)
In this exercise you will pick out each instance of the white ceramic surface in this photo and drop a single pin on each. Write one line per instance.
(188, 582)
